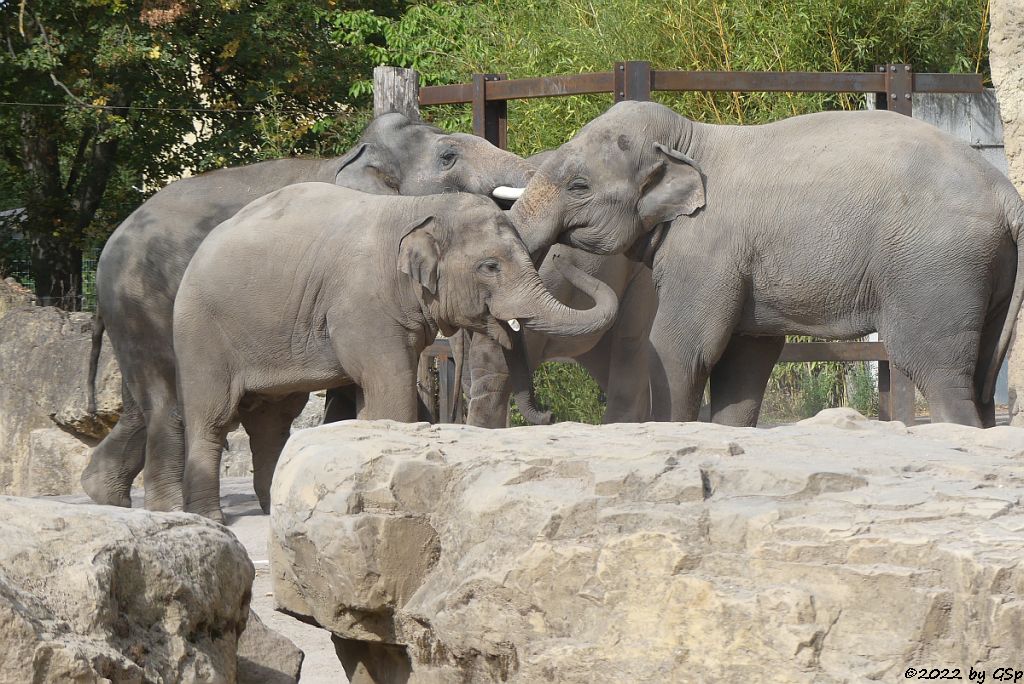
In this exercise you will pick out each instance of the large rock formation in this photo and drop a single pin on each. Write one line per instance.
(833, 550)
(44, 426)
(1006, 57)
(95, 593)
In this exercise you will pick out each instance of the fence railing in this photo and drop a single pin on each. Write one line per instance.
(892, 85)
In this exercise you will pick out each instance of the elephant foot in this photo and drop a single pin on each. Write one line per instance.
(104, 489)
(215, 514)
(163, 503)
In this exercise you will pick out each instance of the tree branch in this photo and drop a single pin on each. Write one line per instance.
(76, 164)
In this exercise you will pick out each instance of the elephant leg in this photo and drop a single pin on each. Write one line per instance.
(986, 351)
(490, 387)
(165, 454)
(687, 340)
(269, 424)
(624, 352)
(342, 404)
(210, 403)
(389, 391)
(739, 378)
(939, 367)
(119, 458)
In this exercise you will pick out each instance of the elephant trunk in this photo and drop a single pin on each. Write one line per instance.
(533, 215)
(543, 313)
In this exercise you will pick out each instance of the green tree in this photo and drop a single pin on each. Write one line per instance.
(106, 99)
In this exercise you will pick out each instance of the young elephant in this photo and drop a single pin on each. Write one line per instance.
(143, 261)
(315, 286)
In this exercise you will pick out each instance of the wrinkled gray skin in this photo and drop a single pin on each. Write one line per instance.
(617, 359)
(143, 261)
(316, 286)
(834, 225)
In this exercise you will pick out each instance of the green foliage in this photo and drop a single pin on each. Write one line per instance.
(569, 391)
(449, 41)
(862, 389)
(113, 97)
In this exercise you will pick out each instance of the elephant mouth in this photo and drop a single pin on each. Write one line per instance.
(577, 237)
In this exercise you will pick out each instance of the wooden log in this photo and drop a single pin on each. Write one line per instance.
(396, 90)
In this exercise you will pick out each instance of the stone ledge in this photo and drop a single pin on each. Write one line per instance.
(836, 549)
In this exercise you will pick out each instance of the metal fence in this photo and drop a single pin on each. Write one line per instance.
(892, 86)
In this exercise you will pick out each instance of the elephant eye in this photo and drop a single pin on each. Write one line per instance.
(448, 157)
(578, 185)
(489, 267)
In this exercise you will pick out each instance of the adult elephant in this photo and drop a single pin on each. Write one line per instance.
(616, 358)
(142, 263)
(833, 224)
(316, 286)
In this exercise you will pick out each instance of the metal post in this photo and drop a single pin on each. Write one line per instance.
(884, 394)
(899, 89)
(490, 117)
(632, 81)
(396, 90)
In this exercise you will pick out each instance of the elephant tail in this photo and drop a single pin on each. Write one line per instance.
(98, 326)
(1015, 214)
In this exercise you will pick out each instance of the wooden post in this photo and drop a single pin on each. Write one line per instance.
(396, 90)
(490, 117)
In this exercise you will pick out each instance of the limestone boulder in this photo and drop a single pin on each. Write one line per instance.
(1006, 57)
(44, 353)
(96, 594)
(266, 657)
(14, 295)
(833, 550)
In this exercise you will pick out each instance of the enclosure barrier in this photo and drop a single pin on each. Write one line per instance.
(892, 85)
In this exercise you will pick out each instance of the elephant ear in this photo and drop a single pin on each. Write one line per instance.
(673, 186)
(419, 254)
(365, 168)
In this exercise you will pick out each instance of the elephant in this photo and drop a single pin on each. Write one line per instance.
(315, 286)
(141, 266)
(617, 358)
(834, 224)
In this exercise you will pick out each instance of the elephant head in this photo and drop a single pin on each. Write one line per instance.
(471, 271)
(397, 156)
(623, 174)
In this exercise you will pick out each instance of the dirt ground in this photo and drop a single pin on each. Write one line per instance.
(244, 518)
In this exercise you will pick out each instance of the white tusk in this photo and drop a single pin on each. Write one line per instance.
(514, 324)
(503, 192)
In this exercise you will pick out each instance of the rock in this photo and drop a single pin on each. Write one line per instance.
(266, 657)
(834, 550)
(1006, 57)
(96, 593)
(13, 295)
(45, 356)
(55, 463)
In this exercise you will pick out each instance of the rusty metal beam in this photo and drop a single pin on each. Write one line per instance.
(833, 351)
(714, 81)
